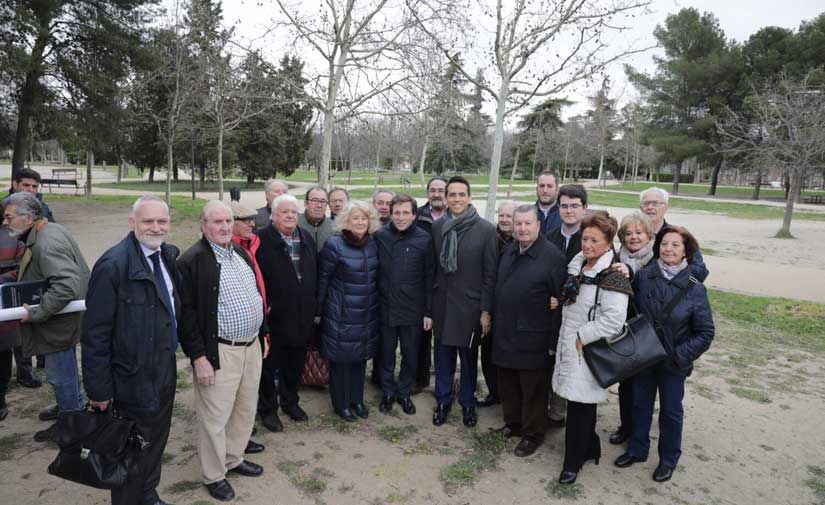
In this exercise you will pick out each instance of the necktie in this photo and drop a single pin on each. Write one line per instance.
(164, 293)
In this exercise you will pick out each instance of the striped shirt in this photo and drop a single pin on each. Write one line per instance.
(293, 250)
(240, 307)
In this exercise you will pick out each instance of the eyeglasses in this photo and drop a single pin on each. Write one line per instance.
(652, 203)
(317, 201)
(570, 206)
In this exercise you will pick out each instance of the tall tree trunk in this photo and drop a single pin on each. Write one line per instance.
(636, 150)
(566, 156)
(423, 159)
(29, 98)
(220, 163)
(513, 171)
(202, 175)
(714, 175)
(795, 185)
(151, 174)
(121, 168)
(677, 171)
(601, 165)
(626, 160)
(90, 164)
(170, 159)
(757, 185)
(498, 143)
(175, 171)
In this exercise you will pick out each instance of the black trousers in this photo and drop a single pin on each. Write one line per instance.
(346, 384)
(581, 442)
(409, 338)
(24, 365)
(141, 487)
(488, 369)
(5, 373)
(524, 400)
(626, 405)
(425, 360)
(288, 363)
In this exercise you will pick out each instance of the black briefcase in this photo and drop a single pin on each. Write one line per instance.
(622, 356)
(97, 449)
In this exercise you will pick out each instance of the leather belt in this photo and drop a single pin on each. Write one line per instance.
(236, 343)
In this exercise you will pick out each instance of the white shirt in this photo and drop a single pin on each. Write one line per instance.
(166, 278)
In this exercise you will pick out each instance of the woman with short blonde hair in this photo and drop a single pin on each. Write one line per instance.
(342, 220)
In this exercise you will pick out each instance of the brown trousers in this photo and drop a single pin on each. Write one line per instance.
(523, 395)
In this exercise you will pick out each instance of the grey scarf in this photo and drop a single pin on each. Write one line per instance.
(636, 260)
(669, 272)
(454, 228)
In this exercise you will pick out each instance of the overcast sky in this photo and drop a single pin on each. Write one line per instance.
(738, 18)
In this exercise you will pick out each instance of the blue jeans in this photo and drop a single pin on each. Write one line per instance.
(445, 356)
(671, 388)
(62, 375)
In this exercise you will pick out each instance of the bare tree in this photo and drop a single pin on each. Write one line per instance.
(539, 49)
(782, 125)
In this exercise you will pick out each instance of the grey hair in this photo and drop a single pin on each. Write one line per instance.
(210, 205)
(505, 203)
(379, 191)
(527, 208)
(147, 198)
(342, 219)
(665, 195)
(286, 197)
(26, 204)
(272, 182)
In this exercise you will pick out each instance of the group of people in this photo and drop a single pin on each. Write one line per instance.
(262, 286)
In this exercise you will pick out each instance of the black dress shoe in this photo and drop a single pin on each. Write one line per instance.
(442, 410)
(160, 502)
(47, 435)
(49, 414)
(507, 431)
(4, 412)
(221, 490)
(469, 416)
(347, 415)
(295, 412)
(253, 448)
(386, 404)
(525, 448)
(555, 423)
(627, 459)
(488, 401)
(272, 422)
(619, 437)
(360, 410)
(247, 469)
(407, 405)
(29, 381)
(568, 477)
(662, 473)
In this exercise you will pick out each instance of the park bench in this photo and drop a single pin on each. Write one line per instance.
(814, 199)
(61, 177)
(403, 180)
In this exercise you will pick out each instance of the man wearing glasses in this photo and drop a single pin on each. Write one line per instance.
(654, 204)
(572, 208)
(314, 218)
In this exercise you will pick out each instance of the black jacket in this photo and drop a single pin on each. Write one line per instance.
(200, 280)
(689, 330)
(424, 218)
(551, 221)
(292, 303)
(573, 248)
(406, 271)
(524, 327)
(126, 326)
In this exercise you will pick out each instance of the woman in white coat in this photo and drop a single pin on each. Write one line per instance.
(584, 321)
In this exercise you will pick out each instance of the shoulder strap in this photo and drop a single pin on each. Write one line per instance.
(678, 298)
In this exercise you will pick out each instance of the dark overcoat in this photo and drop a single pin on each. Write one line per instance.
(348, 299)
(459, 297)
(292, 302)
(689, 330)
(524, 327)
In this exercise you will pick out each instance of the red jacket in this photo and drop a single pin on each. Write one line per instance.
(251, 245)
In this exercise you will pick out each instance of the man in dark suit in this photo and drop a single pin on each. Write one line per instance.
(466, 261)
(273, 188)
(288, 260)
(129, 339)
(572, 208)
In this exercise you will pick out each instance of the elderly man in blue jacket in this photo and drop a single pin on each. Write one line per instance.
(130, 336)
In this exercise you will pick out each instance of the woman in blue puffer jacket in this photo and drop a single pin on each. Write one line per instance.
(348, 299)
(686, 333)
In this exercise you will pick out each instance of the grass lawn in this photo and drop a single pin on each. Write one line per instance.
(181, 186)
(183, 208)
(702, 189)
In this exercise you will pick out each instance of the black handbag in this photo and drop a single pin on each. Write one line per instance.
(97, 449)
(636, 347)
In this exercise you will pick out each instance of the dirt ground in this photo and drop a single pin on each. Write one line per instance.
(752, 422)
